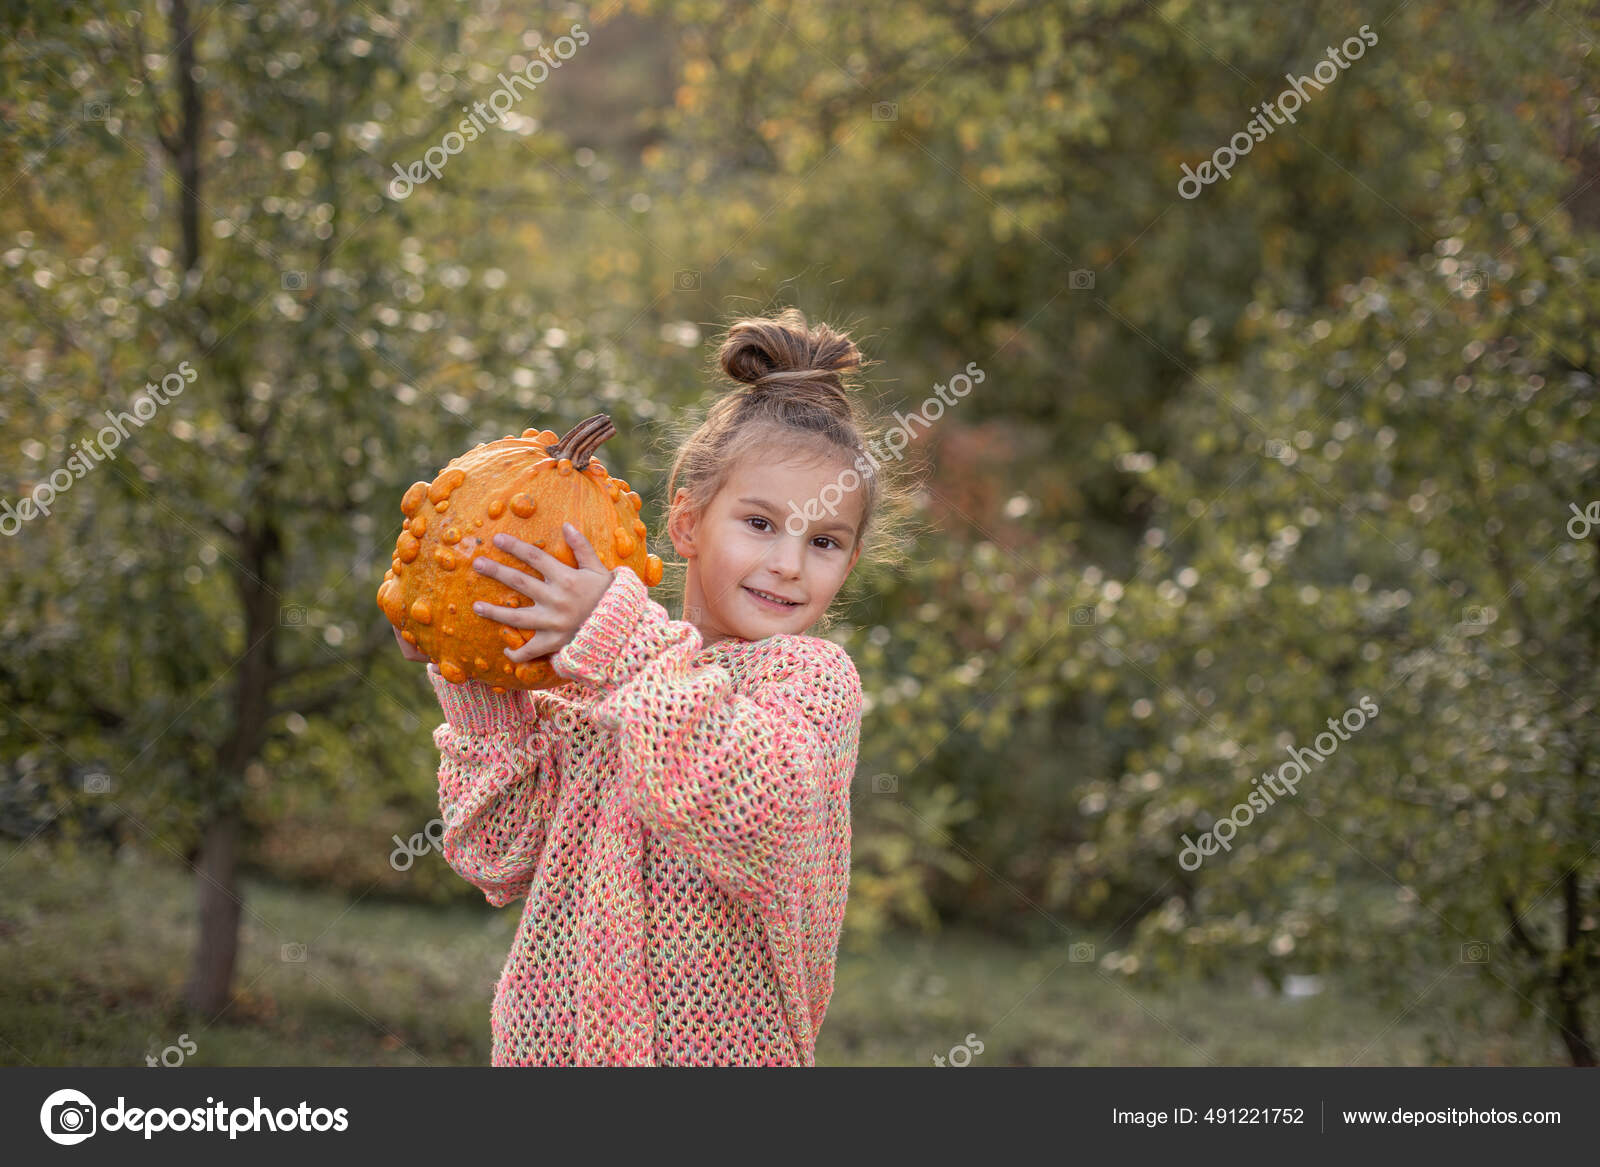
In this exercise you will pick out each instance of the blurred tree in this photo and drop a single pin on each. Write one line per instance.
(343, 338)
(1385, 499)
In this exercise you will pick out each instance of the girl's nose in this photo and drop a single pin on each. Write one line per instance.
(789, 554)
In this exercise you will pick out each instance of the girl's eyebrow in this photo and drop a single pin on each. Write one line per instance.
(765, 505)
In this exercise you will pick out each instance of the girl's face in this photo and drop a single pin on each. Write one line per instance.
(786, 529)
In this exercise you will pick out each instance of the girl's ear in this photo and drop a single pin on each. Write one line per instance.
(681, 524)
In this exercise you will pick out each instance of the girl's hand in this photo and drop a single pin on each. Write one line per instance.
(410, 651)
(562, 600)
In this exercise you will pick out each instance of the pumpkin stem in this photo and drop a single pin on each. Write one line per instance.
(583, 440)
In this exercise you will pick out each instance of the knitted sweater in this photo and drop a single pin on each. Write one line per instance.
(678, 818)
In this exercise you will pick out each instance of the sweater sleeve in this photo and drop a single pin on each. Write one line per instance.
(739, 781)
(496, 786)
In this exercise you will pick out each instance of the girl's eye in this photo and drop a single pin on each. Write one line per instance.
(759, 519)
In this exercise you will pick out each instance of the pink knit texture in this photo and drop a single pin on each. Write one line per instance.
(678, 818)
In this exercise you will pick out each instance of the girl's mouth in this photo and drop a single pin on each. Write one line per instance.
(767, 600)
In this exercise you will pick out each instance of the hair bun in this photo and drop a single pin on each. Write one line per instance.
(773, 353)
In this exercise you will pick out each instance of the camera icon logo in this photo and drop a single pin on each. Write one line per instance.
(1083, 615)
(686, 281)
(292, 616)
(98, 782)
(886, 111)
(885, 784)
(1475, 952)
(1474, 280)
(294, 281)
(68, 1117)
(1081, 953)
(1081, 280)
(292, 953)
(96, 111)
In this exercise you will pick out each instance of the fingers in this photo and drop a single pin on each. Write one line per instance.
(547, 565)
(514, 617)
(516, 580)
(552, 595)
(536, 557)
(542, 643)
(406, 648)
(588, 558)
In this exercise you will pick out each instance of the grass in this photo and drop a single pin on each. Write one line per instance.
(93, 953)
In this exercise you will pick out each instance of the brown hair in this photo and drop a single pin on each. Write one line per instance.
(796, 399)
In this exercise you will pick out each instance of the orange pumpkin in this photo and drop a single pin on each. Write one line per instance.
(526, 487)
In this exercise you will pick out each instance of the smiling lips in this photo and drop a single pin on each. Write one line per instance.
(769, 598)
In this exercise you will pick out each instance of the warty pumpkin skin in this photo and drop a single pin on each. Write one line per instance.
(526, 487)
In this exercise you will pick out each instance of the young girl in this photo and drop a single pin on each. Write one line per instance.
(678, 814)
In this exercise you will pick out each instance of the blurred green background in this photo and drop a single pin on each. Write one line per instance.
(1323, 432)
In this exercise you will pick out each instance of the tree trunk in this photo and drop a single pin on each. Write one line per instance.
(187, 155)
(1569, 984)
(216, 864)
(260, 567)
(211, 974)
